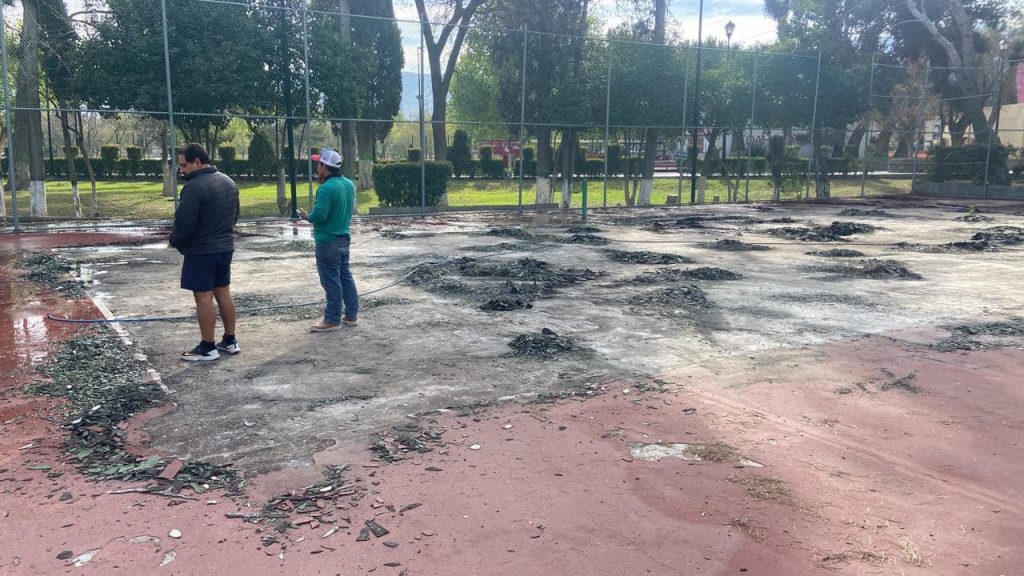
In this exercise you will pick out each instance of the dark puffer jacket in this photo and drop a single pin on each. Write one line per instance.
(206, 215)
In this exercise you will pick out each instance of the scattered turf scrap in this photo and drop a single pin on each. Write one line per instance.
(405, 438)
(782, 220)
(524, 269)
(289, 246)
(497, 248)
(55, 272)
(1012, 327)
(837, 253)
(266, 306)
(858, 212)
(585, 239)
(584, 230)
(505, 304)
(715, 452)
(1001, 236)
(677, 275)
(644, 257)
(393, 235)
(879, 270)
(901, 383)
(731, 245)
(518, 233)
(545, 344)
(764, 488)
(102, 382)
(974, 218)
(312, 506)
(836, 231)
(673, 301)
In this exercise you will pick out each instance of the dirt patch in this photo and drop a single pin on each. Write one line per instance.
(990, 240)
(879, 270)
(874, 212)
(731, 245)
(55, 272)
(672, 301)
(836, 231)
(585, 239)
(677, 275)
(837, 253)
(259, 305)
(697, 222)
(545, 344)
(644, 257)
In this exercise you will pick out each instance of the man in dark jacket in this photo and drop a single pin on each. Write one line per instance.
(204, 233)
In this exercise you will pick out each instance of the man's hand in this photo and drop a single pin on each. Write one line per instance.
(302, 214)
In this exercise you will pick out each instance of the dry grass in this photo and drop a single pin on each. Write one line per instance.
(911, 555)
(865, 556)
(765, 488)
(715, 452)
(744, 525)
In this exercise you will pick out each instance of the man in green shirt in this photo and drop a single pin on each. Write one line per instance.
(331, 216)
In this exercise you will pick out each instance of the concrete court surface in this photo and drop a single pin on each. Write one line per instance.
(853, 444)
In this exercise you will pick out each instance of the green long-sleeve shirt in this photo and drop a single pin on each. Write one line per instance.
(332, 210)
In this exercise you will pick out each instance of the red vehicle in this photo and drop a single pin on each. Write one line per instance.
(500, 150)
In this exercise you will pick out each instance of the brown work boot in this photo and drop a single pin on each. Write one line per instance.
(324, 327)
(345, 320)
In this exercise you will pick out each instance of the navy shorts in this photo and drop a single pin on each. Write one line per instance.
(204, 272)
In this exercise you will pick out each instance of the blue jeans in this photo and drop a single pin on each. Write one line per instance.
(336, 279)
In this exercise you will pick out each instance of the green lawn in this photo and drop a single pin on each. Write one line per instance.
(142, 200)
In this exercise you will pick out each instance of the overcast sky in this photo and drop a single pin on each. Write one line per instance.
(752, 26)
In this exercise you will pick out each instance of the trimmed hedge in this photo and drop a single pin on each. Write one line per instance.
(398, 184)
(952, 163)
(413, 155)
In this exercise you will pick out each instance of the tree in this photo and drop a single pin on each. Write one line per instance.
(560, 87)
(475, 91)
(28, 132)
(216, 68)
(384, 93)
(446, 45)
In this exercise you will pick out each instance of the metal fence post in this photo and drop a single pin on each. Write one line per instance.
(522, 124)
(750, 127)
(682, 141)
(170, 105)
(920, 114)
(423, 136)
(813, 162)
(607, 118)
(867, 142)
(994, 128)
(7, 118)
(309, 115)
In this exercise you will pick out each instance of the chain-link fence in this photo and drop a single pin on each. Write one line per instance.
(95, 105)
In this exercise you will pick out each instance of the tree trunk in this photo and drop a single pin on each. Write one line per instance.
(544, 192)
(366, 137)
(80, 139)
(852, 147)
(282, 189)
(651, 141)
(65, 129)
(165, 164)
(568, 168)
(28, 129)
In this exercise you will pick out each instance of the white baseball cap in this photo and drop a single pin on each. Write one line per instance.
(327, 157)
